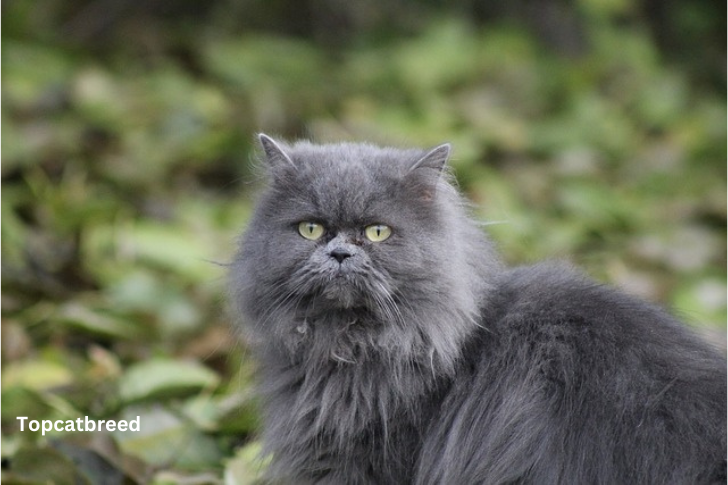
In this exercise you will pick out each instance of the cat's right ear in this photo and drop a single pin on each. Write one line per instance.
(425, 172)
(435, 158)
(274, 154)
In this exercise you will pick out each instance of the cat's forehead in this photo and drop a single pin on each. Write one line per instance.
(348, 182)
(352, 159)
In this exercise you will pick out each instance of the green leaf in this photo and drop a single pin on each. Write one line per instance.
(156, 379)
(36, 374)
(247, 467)
(172, 247)
(165, 439)
(82, 317)
(43, 465)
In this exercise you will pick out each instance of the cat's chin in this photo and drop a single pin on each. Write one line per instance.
(341, 289)
(341, 295)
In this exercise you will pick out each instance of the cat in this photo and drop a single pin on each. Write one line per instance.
(396, 348)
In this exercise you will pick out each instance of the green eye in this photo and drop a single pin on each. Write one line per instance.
(311, 230)
(377, 232)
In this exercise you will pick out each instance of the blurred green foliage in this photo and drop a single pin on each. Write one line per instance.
(127, 140)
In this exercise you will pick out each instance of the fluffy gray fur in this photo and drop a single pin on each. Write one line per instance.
(422, 359)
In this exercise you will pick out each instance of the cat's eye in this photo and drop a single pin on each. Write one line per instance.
(311, 230)
(377, 232)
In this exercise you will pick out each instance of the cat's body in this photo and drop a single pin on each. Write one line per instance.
(395, 348)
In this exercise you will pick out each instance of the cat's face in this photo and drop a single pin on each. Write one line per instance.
(357, 250)
(347, 226)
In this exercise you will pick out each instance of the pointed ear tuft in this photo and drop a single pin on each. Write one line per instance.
(426, 181)
(435, 158)
(273, 151)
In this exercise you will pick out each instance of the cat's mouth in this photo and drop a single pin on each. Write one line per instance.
(343, 286)
(342, 290)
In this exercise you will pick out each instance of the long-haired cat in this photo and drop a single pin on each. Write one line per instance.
(395, 347)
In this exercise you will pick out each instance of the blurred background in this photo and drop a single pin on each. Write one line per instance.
(587, 130)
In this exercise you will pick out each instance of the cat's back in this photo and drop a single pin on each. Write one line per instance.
(568, 379)
(557, 312)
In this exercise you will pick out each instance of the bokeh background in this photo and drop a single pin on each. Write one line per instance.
(587, 130)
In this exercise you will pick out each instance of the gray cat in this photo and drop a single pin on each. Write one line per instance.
(396, 348)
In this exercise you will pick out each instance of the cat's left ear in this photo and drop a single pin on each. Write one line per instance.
(435, 158)
(273, 151)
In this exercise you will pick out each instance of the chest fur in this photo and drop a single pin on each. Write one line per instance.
(366, 414)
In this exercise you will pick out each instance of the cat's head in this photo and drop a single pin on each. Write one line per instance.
(350, 232)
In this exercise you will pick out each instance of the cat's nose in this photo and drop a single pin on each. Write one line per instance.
(340, 254)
